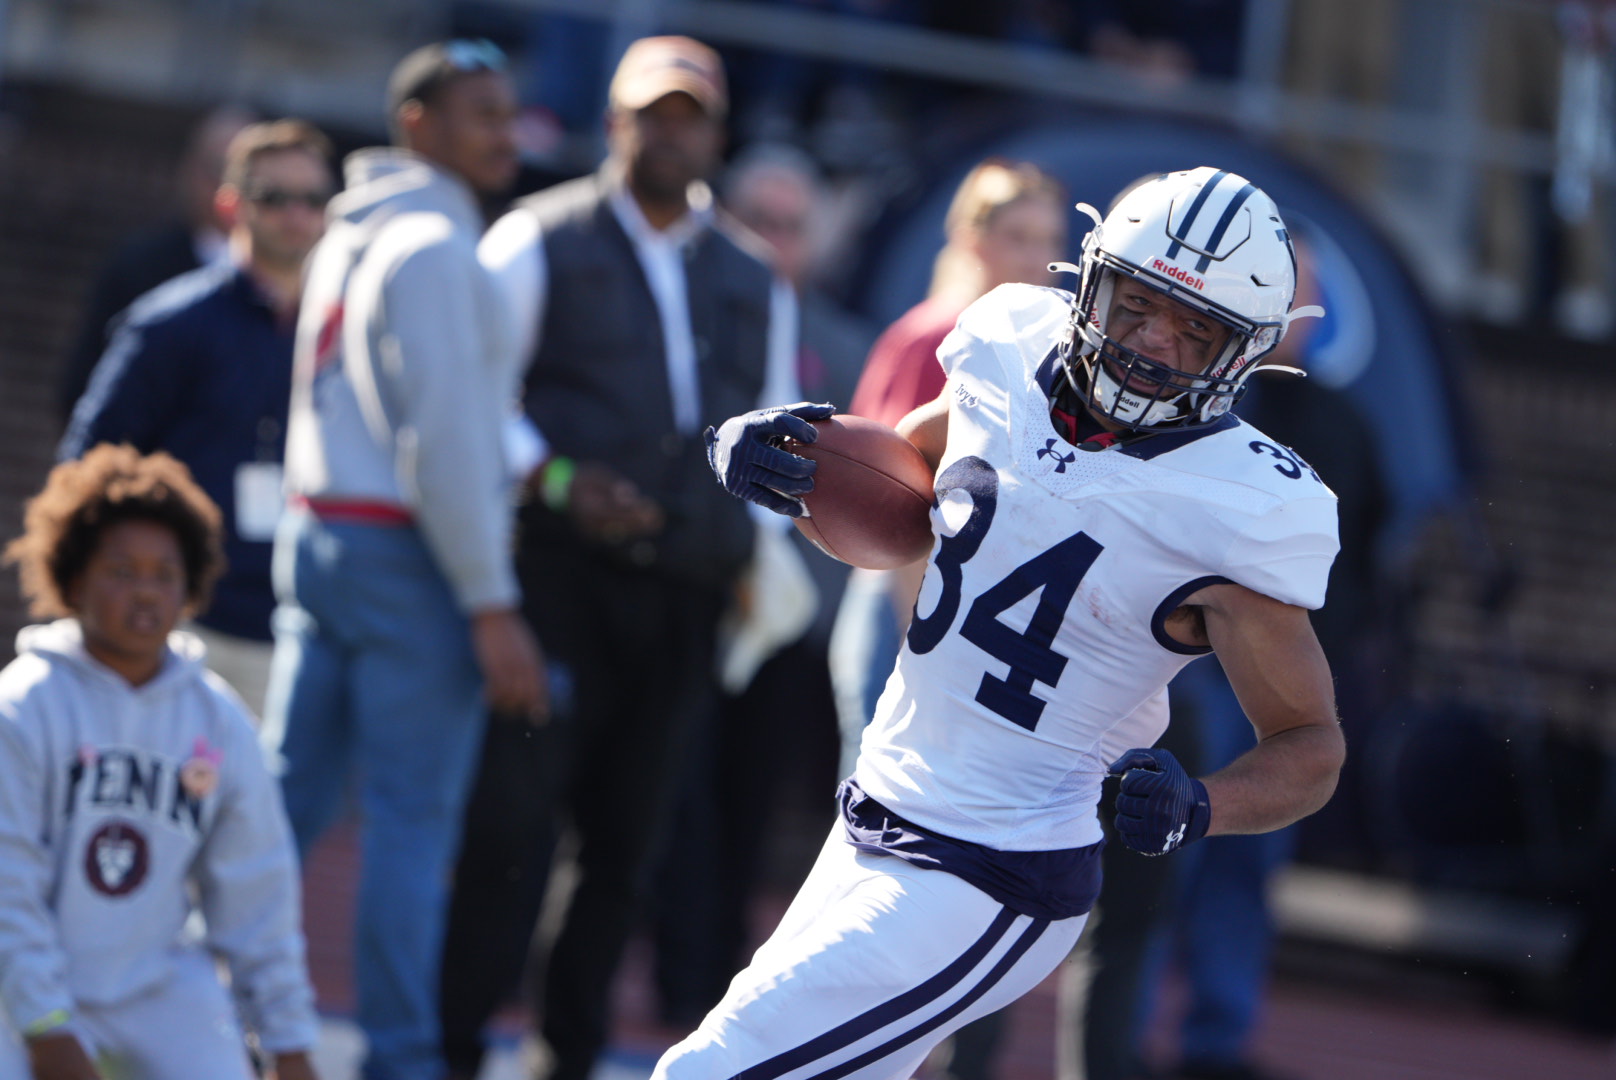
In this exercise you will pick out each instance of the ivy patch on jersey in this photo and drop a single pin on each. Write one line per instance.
(116, 859)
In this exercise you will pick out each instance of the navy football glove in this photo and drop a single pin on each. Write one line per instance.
(746, 457)
(1160, 807)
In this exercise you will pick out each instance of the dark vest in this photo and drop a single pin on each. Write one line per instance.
(598, 385)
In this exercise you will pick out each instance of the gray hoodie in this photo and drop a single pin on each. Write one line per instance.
(406, 369)
(122, 810)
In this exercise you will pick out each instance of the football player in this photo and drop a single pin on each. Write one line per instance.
(1101, 519)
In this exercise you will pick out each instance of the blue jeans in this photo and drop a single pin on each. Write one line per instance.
(374, 677)
(1225, 933)
(864, 645)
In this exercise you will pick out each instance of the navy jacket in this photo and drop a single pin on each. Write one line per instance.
(145, 262)
(200, 367)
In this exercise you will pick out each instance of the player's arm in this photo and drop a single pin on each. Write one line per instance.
(1278, 671)
(927, 427)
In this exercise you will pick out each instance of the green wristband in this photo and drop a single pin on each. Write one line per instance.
(56, 1018)
(555, 482)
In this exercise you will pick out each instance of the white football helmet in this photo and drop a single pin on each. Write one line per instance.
(1209, 239)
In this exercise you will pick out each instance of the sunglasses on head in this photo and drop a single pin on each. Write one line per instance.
(276, 199)
(474, 54)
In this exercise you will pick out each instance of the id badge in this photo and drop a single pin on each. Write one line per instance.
(259, 499)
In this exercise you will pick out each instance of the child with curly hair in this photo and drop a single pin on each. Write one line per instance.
(132, 793)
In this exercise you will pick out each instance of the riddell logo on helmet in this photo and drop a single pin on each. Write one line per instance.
(1171, 271)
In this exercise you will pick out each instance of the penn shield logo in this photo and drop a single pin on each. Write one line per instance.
(1177, 273)
(116, 859)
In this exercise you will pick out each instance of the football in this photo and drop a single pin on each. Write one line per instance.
(871, 503)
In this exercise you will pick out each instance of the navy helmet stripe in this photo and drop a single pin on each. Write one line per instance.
(887, 1012)
(1222, 226)
(1290, 249)
(1009, 960)
(1195, 208)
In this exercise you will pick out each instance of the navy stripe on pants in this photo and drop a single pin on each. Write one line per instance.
(905, 1004)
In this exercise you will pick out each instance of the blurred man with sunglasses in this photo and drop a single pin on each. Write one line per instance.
(399, 622)
(202, 368)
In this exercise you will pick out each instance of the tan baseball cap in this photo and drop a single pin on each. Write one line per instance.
(654, 67)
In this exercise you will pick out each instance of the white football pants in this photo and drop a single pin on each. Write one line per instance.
(875, 962)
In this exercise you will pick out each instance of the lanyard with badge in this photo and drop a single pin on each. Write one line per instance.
(260, 492)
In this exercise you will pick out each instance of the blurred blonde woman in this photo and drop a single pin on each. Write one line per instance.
(1007, 223)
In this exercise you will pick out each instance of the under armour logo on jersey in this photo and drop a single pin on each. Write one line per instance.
(1061, 460)
(1174, 838)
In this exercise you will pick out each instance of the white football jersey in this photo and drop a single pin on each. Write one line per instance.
(1037, 653)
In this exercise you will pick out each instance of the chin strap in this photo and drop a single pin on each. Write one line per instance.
(1133, 408)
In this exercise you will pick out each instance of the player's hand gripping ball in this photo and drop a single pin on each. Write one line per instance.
(870, 504)
(856, 488)
(745, 454)
(1160, 807)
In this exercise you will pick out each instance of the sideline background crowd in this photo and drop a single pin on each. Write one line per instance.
(1494, 631)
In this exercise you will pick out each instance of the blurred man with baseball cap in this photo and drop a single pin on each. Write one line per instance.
(645, 317)
(655, 66)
